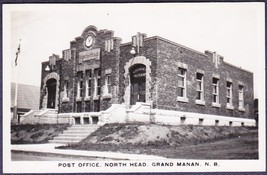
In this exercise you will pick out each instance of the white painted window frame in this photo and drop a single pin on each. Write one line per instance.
(87, 88)
(200, 101)
(217, 103)
(230, 96)
(184, 86)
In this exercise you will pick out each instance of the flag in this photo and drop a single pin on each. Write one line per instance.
(17, 55)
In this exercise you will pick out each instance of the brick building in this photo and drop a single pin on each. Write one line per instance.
(99, 71)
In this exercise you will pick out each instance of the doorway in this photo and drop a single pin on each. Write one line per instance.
(138, 83)
(51, 85)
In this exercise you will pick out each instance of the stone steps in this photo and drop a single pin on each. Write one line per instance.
(74, 134)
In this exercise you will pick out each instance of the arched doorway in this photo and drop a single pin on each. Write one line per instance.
(51, 86)
(129, 66)
(138, 83)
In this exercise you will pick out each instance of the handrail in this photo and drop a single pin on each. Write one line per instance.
(44, 112)
(27, 113)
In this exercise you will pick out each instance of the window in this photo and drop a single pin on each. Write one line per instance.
(215, 92)
(79, 106)
(81, 88)
(80, 85)
(200, 88)
(229, 95)
(109, 84)
(107, 87)
(89, 87)
(88, 83)
(97, 84)
(66, 90)
(182, 85)
(241, 97)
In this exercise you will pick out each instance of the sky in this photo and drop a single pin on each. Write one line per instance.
(233, 30)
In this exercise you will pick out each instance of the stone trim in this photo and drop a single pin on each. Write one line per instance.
(55, 76)
(215, 75)
(136, 60)
(229, 80)
(182, 65)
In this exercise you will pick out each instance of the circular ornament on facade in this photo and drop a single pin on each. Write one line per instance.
(89, 41)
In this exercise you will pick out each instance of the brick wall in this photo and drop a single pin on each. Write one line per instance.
(169, 54)
(149, 52)
(165, 58)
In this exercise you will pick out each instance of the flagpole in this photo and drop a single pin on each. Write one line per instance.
(15, 112)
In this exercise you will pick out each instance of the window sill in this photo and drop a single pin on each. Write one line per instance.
(200, 102)
(182, 99)
(241, 109)
(216, 105)
(78, 99)
(106, 96)
(88, 98)
(65, 99)
(229, 107)
(96, 97)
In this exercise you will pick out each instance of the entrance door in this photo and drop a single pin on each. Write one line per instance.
(51, 85)
(138, 83)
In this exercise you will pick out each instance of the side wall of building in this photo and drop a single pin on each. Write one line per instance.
(171, 56)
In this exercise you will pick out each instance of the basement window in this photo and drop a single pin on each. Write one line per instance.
(95, 120)
(200, 122)
(183, 120)
(86, 121)
(77, 120)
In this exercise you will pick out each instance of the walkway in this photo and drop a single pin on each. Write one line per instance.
(50, 148)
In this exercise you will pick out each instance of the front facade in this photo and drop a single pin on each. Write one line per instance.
(98, 71)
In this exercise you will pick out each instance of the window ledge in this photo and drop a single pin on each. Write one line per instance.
(229, 107)
(65, 99)
(106, 96)
(88, 98)
(78, 99)
(241, 109)
(200, 102)
(216, 105)
(182, 99)
(96, 97)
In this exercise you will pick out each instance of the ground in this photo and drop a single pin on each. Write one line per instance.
(33, 156)
(181, 142)
(33, 134)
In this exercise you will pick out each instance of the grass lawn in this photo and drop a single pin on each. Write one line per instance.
(181, 142)
(38, 133)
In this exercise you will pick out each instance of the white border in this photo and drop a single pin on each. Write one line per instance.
(49, 167)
